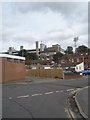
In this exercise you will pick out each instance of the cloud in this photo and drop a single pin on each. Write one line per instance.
(51, 23)
(68, 9)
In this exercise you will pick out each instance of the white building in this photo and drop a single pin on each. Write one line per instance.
(79, 67)
(42, 47)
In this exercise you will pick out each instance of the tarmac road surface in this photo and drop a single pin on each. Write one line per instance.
(38, 99)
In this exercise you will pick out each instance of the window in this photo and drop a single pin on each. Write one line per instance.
(77, 59)
(21, 61)
(47, 56)
(63, 61)
(9, 59)
(16, 60)
(77, 68)
(72, 60)
(80, 68)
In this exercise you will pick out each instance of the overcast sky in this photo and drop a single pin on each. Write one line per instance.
(24, 23)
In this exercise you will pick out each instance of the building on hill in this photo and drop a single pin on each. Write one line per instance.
(47, 55)
(70, 61)
(56, 48)
(43, 47)
(44, 53)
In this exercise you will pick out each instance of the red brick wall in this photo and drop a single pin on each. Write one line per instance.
(81, 59)
(12, 70)
(72, 76)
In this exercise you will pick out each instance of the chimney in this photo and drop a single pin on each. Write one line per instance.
(21, 47)
(10, 50)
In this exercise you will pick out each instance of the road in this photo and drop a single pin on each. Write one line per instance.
(38, 99)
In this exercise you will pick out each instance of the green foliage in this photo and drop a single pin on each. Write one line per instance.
(69, 50)
(29, 56)
(22, 53)
(57, 56)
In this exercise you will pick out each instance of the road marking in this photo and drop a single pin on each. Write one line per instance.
(25, 96)
(57, 91)
(47, 93)
(66, 111)
(36, 94)
(69, 90)
(10, 98)
(61, 91)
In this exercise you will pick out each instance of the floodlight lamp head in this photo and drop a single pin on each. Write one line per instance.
(75, 39)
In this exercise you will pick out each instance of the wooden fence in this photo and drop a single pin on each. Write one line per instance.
(49, 73)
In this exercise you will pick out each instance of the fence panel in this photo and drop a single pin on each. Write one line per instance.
(48, 73)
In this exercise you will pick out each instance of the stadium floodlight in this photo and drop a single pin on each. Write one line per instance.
(75, 42)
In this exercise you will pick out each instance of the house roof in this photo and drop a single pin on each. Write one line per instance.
(11, 56)
(32, 50)
(69, 64)
(74, 55)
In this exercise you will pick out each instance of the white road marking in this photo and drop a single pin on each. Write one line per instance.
(47, 93)
(25, 96)
(69, 90)
(36, 94)
(61, 91)
(10, 98)
(57, 91)
(66, 111)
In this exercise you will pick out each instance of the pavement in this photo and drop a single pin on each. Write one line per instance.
(31, 80)
(81, 99)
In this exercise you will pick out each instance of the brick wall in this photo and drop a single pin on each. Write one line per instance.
(68, 59)
(72, 76)
(12, 70)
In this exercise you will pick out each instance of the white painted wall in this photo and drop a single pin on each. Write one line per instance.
(79, 67)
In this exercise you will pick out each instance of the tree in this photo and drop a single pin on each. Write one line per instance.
(22, 53)
(57, 56)
(82, 49)
(31, 56)
(69, 50)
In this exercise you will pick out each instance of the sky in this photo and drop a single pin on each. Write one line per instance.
(23, 23)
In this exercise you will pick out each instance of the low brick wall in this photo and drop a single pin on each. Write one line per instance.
(72, 75)
(48, 73)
